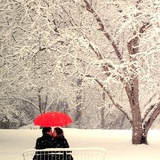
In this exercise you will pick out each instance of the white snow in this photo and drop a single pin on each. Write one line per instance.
(117, 143)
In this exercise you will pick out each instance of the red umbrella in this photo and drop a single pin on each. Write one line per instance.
(51, 119)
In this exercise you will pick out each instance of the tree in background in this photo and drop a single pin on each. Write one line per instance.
(34, 67)
(26, 64)
(14, 113)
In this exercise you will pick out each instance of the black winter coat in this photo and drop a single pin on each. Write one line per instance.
(61, 142)
(46, 141)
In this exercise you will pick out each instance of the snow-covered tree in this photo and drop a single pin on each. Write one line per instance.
(27, 66)
(14, 113)
(127, 50)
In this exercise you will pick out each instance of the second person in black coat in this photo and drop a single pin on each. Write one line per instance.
(61, 142)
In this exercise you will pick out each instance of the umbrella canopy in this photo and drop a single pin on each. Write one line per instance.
(50, 119)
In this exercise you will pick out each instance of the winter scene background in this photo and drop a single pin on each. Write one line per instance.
(96, 60)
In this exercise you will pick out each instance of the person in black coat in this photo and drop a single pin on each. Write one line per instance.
(59, 139)
(61, 142)
(46, 141)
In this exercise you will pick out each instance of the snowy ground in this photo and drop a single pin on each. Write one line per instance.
(117, 143)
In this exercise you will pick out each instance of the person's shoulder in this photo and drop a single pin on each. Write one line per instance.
(63, 137)
(39, 138)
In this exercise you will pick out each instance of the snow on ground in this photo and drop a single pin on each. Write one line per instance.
(116, 142)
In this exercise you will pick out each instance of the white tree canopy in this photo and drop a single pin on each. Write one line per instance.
(109, 46)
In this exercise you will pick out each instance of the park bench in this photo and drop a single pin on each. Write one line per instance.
(89, 153)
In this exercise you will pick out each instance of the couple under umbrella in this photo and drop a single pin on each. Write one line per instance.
(51, 139)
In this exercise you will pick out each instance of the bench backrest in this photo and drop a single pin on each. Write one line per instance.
(65, 154)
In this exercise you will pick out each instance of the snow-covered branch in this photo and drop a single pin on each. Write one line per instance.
(117, 105)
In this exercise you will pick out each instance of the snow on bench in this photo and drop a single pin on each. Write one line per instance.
(65, 154)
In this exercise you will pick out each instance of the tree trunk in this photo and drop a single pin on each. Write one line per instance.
(40, 104)
(102, 113)
(148, 123)
(144, 137)
(133, 96)
(79, 103)
(137, 133)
